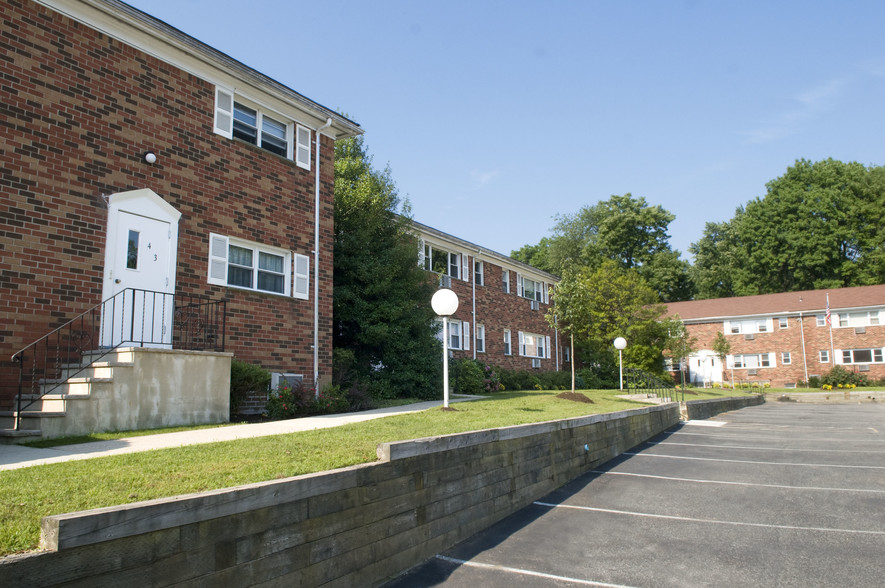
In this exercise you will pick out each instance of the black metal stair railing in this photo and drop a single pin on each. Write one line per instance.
(641, 381)
(131, 318)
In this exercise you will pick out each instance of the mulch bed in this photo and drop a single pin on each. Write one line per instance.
(576, 396)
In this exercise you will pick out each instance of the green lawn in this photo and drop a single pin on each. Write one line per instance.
(28, 494)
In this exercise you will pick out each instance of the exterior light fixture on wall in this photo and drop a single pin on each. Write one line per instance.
(150, 157)
(445, 303)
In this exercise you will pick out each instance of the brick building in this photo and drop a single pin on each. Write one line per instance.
(500, 318)
(783, 339)
(134, 156)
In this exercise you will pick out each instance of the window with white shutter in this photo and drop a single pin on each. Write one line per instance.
(302, 147)
(224, 112)
(302, 277)
(243, 264)
(466, 332)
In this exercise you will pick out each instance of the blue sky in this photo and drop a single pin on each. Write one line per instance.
(495, 117)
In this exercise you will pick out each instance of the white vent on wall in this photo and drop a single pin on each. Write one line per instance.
(749, 337)
(790, 385)
(860, 330)
(294, 380)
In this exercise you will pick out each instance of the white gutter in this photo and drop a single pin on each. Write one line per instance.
(316, 266)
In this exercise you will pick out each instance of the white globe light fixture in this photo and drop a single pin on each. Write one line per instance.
(444, 304)
(620, 345)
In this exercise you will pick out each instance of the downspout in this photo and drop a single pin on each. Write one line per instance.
(473, 295)
(316, 267)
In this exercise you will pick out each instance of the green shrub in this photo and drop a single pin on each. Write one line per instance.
(467, 376)
(246, 378)
(289, 401)
(839, 377)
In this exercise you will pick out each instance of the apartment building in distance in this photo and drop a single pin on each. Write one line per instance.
(784, 339)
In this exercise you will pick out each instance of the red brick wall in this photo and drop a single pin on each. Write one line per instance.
(790, 339)
(77, 112)
(497, 311)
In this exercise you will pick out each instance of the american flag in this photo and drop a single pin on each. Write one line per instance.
(829, 318)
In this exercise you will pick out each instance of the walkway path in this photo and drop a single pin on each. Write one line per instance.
(18, 456)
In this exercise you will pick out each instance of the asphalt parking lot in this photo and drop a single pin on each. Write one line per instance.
(781, 494)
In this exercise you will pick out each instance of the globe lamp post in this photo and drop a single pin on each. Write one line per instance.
(620, 344)
(444, 304)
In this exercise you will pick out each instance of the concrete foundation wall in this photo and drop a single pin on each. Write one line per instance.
(350, 527)
(161, 388)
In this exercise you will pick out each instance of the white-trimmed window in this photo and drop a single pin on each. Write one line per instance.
(786, 358)
(859, 319)
(533, 345)
(480, 339)
(748, 327)
(821, 320)
(243, 264)
(531, 289)
(505, 281)
(861, 356)
(783, 323)
(567, 354)
(440, 261)
(459, 334)
(478, 274)
(507, 348)
(824, 356)
(236, 118)
(750, 360)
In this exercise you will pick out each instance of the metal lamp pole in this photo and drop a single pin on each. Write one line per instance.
(445, 303)
(620, 344)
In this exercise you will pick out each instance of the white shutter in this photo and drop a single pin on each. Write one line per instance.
(521, 343)
(465, 335)
(224, 112)
(302, 146)
(547, 353)
(729, 361)
(838, 356)
(465, 268)
(217, 259)
(772, 359)
(421, 253)
(519, 289)
(302, 277)
(546, 294)
(726, 328)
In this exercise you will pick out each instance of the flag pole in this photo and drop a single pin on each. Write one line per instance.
(830, 323)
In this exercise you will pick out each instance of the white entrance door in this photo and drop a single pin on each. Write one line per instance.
(705, 368)
(140, 271)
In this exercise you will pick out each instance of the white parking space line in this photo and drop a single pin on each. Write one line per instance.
(522, 572)
(756, 448)
(770, 463)
(810, 439)
(710, 521)
(706, 423)
(778, 486)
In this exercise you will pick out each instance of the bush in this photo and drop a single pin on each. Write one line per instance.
(289, 401)
(840, 377)
(246, 378)
(468, 376)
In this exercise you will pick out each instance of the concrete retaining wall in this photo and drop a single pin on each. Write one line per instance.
(704, 409)
(355, 526)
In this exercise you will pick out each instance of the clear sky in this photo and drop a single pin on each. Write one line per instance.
(496, 116)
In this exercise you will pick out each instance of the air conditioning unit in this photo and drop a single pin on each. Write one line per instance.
(536, 363)
(535, 305)
(749, 337)
(751, 372)
(445, 281)
(277, 378)
(863, 368)
(860, 330)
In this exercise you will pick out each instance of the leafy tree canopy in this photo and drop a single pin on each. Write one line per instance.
(383, 326)
(820, 225)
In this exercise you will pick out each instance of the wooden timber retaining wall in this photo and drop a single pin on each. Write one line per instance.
(354, 526)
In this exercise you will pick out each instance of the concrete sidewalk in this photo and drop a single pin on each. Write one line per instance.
(17, 456)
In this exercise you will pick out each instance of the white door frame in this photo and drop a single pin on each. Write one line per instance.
(145, 203)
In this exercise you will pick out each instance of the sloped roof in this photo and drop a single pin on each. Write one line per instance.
(805, 302)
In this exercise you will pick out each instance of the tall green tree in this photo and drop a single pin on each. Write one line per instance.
(820, 225)
(383, 326)
(600, 304)
(631, 233)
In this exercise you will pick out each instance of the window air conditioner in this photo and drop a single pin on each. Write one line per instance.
(860, 330)
(535, 305)
(277, 378)
(749, 337)
(536, 363)
(445, 281)
(863, 368)
(751, 372)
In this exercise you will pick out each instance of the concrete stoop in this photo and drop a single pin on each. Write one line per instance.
(78, 385)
